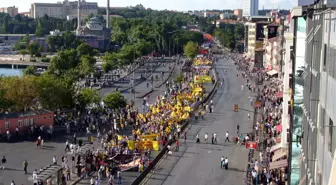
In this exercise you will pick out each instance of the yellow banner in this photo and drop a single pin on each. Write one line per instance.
(150, 137)
(143, 145)
(202, 79)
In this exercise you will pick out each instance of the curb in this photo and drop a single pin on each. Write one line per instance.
(164, 82)
(142, 96)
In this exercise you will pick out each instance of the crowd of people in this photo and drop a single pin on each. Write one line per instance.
(267, 126)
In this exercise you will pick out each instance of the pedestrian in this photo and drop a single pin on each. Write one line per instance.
(185, 136)
(197, 139)
(248, 115)
(25, 165)
(3, 162)
(177, 144)
(92, 182)
(212, 138)
(222, 162)
(226, 163)
(68, 173)
(42, 141)
(227, 136)
(215, 138)
(67, 147)
(237, 128)
(119, 177)
(54, 160)
(206, 138)
(12, 183)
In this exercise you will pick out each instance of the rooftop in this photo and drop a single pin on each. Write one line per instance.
(23, 114)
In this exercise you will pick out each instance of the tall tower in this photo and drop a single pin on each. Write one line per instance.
(108, 14)
(78, 17)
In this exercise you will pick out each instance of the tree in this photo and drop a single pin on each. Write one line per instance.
(86, 66)
(191, 49)
(110, 61)
(23, 52)
(21, 90)
(89, 96)
(86, 49)
(39, 32)
(115, 100)
(33, 49)
(54, 93)
(30, 70)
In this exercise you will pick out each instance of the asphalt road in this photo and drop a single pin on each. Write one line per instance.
(199, 164)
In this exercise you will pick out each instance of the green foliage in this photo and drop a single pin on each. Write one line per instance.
(86, 66)
(89, 96)
(191, 49)
(115, 100)
(65, 41)
(30, 70)
(26, 25)
(33, 49)
(53, 92)
(226, 37)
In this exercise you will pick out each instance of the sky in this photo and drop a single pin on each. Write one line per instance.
(180, 5)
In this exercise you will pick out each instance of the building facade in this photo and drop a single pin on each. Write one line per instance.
(64, 10)
(12, 11)
(250, 8)
(315, 64)
(238, 13)
(255, 37)
(23, 121)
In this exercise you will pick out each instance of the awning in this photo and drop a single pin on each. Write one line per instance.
(278, 164)
(275, 147)
(279, 154)
(279, 128)
(279, 94)
(303, 179)
(272, 72)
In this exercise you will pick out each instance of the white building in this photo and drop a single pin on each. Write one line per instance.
(63, 10)
(250, 8)
(225, 15)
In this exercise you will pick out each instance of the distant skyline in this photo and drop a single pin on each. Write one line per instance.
(180, 5)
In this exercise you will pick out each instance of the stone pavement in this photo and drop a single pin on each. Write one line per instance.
(199, 164)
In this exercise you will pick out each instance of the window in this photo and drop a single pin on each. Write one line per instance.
(331, 127)
(7, 125)
(325, 57)
(20, 123)
(322, 121)
(26, 122)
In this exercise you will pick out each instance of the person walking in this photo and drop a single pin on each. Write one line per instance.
(197, 139)
(3, 162)
(54, 160)
(177, 146)
(67, 147)
(226, 162)
(227, 136)
(25, 166)
(206, 138)
(119, 177)
(92, 182)
(215, 138)
(222, 162)
(248, 115)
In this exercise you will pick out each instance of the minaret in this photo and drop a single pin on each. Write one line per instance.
(79, 18)
(108, 14)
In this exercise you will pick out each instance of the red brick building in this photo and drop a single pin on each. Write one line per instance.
(24, 120)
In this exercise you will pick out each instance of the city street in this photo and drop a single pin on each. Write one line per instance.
(200, 163)
(16, 153)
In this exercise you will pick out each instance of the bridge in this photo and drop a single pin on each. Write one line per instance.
(22, 64)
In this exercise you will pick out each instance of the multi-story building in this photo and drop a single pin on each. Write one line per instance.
(238, 13)
(63, 10)
(250, 8)
(211, 14)
(12, 11)
(255, 37)
(225, 15)
(272, 46)
(315, 54)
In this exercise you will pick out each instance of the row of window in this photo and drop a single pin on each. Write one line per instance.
(25, 122)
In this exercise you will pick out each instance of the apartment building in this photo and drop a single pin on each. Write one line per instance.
(238, 13)
(250, 8)
(255, 37)
(66, 9)
(12, 11)
(315, 64)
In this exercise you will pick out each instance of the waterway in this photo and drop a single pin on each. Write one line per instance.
(11, 72)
